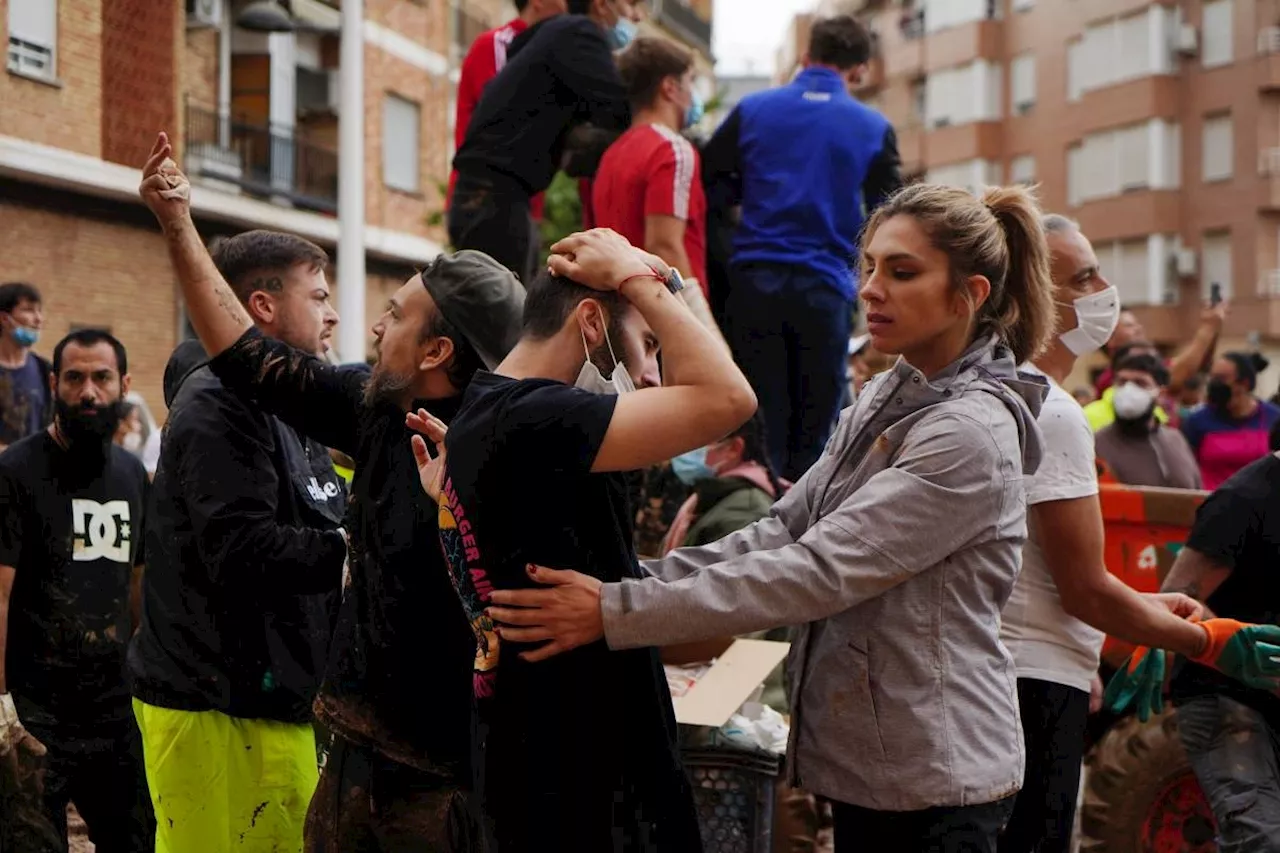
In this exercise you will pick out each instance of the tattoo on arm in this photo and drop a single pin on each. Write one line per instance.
(1194, 575)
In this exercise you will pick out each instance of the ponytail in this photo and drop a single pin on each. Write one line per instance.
(998, 236)
(1024, 317)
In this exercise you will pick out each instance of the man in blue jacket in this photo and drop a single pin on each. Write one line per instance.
(808, 163)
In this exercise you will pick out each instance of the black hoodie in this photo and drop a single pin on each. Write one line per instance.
(559, 75)
(240, 591)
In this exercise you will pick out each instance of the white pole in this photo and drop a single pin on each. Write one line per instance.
(351, 273)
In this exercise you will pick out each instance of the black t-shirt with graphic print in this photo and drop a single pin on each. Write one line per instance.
(73, 531)
(577, 753)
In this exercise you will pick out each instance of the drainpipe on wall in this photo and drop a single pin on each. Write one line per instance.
(351, 261)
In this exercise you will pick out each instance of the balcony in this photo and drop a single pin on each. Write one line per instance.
(1154, 96)
(260, 160)
(954, 143)
(964, 43)
(678, 17)
(1269, 59)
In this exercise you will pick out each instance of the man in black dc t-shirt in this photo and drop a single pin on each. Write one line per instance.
(71, 532)
(577, 754)
(1231, 731)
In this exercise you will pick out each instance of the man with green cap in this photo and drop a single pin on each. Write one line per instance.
(397, 688)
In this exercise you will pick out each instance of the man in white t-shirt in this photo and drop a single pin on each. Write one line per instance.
(1064, 598)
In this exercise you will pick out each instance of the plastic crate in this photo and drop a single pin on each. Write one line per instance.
(733, 792)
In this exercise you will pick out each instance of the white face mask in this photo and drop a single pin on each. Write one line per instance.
(1132, 401)
(132, 442)
(1096, 318)
(590, 379)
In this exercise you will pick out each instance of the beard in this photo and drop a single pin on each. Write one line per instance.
(88, 429)
(385, 386)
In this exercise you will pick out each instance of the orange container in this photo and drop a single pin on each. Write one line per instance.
(1145, 528)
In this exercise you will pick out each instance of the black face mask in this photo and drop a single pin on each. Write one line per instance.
(1219, 394)
(88, 428)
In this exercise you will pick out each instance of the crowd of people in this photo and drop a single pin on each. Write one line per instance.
(213, 638)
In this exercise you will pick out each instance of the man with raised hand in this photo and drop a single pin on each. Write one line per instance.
(396, 692)
(579, 754)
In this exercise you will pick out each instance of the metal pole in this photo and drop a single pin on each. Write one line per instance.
(351, 272)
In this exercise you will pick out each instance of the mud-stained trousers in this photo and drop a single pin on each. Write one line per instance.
(1233, 750)
(367, 803)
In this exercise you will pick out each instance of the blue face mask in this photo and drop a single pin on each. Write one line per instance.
(692, 467)
(25, 337)
(693, 114)
(623, 33)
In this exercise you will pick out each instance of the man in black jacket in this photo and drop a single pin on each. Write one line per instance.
(559, 77)
(397, 687)
(246, 559)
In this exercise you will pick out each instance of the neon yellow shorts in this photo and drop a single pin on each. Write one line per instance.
(221, 784)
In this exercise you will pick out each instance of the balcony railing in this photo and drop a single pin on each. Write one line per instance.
(261, 160)
(676, 16)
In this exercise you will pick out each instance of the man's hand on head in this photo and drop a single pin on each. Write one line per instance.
(165, 189)
(603, 260)
(563, 615)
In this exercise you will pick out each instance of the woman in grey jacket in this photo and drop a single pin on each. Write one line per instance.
(895, 552)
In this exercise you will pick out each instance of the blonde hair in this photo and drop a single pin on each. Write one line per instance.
(997, 235)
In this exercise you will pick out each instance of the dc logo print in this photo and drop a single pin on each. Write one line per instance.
(101, 530)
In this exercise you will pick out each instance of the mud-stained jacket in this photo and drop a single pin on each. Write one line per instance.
(894, 554)
(245, 558)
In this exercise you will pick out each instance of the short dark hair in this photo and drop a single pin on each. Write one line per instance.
(1147, 364)
(550, 300)
(521, 5)
(841, 42)
(646, 63)
(466, 361)
(579, 7)
(90, 338)
(1127, 350)
(14, 293)
(245, 259)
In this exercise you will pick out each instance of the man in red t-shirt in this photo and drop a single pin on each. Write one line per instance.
(485, 58)
(649, 184)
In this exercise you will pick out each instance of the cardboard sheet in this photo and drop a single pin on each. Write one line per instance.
(714, 697)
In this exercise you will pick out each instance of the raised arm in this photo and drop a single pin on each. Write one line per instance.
(315, 398)
(217, 316)
(705, 395)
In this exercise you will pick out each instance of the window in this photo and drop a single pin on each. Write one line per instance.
(1215, 262)
(1121, 49)
(1216, 38)
(963, 94)
(33, 37)
(1137, 156)
(941, 14)
(400, 152)
(1216, 160)
(1022, 170)
(1125, 264)
(919, 101)
(1022, 83)
(972, 175)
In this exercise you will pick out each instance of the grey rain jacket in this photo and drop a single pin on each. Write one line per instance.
(895, 554)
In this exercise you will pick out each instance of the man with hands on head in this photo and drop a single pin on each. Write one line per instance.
(396, 691)
(580, 754)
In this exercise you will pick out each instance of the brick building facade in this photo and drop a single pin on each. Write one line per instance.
(254, 120)
(1155, 124)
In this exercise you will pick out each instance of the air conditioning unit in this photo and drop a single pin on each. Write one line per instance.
(1186, 40)
(317, 91)
(204, 13)
(1185, 262)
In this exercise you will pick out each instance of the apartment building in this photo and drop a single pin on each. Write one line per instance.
(1155, 124)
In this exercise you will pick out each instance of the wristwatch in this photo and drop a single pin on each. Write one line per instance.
(674, 281)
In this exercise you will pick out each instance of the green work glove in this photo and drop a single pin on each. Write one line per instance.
(1141, 678)
(1248, 653)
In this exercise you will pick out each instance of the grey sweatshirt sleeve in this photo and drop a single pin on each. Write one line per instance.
(943, 493)
(786, 522)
